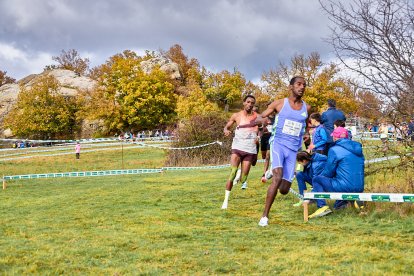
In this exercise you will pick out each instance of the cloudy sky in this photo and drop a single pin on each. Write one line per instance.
(251, 35)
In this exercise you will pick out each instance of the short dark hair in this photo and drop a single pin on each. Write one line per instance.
(339, 123)
(293, 80)
(303, 155)
(331, 103)
(249, 96)
(316, 116)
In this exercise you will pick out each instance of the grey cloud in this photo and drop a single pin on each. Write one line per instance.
(250, 35)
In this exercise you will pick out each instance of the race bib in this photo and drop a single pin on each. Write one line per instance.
(292, 128)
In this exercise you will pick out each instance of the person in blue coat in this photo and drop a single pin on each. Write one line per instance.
(344, 170)
(313, 165)
(331, 115)
(319, 135)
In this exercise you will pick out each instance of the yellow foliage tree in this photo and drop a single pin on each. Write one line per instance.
(127, 98)
(224, 87)
(41, 112)
(322, 83)
(196, 103)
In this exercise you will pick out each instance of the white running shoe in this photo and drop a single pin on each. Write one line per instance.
(263, 221)
(244, 186)
(268, 174)
(224, 206)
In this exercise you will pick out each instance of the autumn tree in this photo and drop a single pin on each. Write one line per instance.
(322, 80)
(127, 98)
(4, 79)
(370, 106)
(224, 87)
(375, 40)
(194, 103)
(189, 67)
(261, 95)
(41, 112)
(71, 60)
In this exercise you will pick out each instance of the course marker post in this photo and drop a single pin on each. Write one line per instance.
(4, 183)
(305, 210)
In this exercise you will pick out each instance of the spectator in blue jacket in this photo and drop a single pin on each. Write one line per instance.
(319, 135)
(344, 170)
(331, 115)
(313, 165)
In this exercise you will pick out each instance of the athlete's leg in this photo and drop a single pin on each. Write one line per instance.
(322, 184)
(302, 178)
(234, 164)
(267, 161)
(285, 187)
(245, 169)
(272, 190)
(288, 170)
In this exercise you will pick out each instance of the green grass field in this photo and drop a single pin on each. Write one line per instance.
(171, 223)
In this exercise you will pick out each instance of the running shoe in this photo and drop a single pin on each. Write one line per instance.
(244, 186)
(263, 179)
(264, 222)
(268, 174)
(321, 212)
(359, 205)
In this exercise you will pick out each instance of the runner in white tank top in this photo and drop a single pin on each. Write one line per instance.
(244, 147)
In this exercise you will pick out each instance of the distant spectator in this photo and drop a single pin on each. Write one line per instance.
(383, 132)
(399, 132)
(77, 150)
(410, 131)
(331, 115)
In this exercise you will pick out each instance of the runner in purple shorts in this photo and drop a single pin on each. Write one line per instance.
(288, 129)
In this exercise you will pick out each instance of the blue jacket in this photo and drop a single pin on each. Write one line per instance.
(320, 137)
(345, 166)
(316, 165)
(329, 117)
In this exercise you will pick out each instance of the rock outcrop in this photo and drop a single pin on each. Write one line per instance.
(166, 65)
(70, 84)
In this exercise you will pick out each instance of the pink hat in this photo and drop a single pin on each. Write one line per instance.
(340, 132)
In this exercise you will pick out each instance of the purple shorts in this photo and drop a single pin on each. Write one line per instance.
(245, 156)
(283, 157)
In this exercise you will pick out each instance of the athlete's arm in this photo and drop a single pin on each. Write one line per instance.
(232, 120)
(274, 106)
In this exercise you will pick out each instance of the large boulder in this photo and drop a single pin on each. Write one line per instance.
(166, 65)
(70, 85)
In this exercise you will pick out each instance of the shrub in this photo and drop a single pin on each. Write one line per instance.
(198, 130)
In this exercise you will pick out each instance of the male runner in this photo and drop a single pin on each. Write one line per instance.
(244, 147)
(290, 124)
